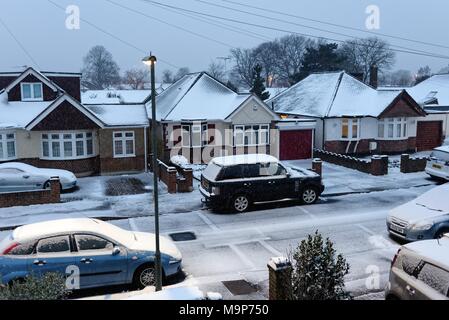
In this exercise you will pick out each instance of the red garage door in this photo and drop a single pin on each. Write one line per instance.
(429, 135)
(296, 145)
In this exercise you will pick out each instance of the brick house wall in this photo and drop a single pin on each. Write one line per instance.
(109, 164)
(81, 167)
(71, 85)
(383, 146)
(16, 95)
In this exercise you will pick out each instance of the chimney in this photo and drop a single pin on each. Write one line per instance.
(374, 76)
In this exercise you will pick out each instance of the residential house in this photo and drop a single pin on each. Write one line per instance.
(352, 117)
(200, 117)
(43, 123)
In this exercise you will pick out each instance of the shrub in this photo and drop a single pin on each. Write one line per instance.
(318, 273)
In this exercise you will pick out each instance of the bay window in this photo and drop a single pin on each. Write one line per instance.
(194, 135)
(350, 128)
(124, 144)
(251, 135)
(31, 91)
(7, 146)
(392, 128)
(67, 145)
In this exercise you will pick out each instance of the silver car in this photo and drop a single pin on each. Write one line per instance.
(16, 176)
(420, 271)
(438, 163)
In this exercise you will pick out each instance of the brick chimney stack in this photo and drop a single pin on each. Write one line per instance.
(374, 76)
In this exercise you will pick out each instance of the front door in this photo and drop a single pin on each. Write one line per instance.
(99, 261)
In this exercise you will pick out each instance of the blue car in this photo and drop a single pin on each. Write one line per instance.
(92, 251)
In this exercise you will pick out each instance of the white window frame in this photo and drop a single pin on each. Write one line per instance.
(254, 133)
(32, 84)
(187, 131)
(350, 123)
(4, 140)
(196, 129)
(123, 139)
(400, 122)
(48, 138)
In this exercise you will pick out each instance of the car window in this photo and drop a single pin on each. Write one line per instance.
(90, 242)
(233, 172)
(10, 171)
(410, 264)
(22, 249)
(440, 155)
(272, 169)
(54, 245)
(212, 171)
(435, 278)
(252, 170)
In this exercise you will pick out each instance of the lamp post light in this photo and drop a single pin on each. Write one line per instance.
(151, 61)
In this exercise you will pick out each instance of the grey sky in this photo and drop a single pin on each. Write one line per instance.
(40, 27)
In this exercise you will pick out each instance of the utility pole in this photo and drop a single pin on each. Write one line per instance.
(151, 61)
(225, 59)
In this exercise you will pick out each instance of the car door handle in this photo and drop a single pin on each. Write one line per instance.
(26, 177)
(39, 262)
(86, 260)
(247, 184)
(271, 182)
(410, 290)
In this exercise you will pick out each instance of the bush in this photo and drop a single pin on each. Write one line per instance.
(318, 273)
(50, 286)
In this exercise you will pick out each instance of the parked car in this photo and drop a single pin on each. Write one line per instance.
(438, 163)
(426, 217)
(420, 271)
(236, 182)
(16, 176)
(105, 254)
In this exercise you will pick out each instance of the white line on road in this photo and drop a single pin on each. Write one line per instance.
(307, 212)
(207, 221)
(366, 229)
(133, 225)
(242, 257)
(270, 248)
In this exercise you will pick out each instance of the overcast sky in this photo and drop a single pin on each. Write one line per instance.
(41, 28)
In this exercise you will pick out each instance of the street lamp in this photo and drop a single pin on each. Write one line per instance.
(151, 61)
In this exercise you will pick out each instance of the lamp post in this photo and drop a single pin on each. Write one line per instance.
(151, 61)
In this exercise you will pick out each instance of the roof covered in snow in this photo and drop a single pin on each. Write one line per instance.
(197, 96)
(115, 96)
(333, 94)
(433, 91)
(113, 115)
(436, 250)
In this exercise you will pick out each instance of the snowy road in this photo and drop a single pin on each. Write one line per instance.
(234, 247)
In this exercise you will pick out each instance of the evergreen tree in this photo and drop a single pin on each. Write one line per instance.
(258, 84)
(318, 272)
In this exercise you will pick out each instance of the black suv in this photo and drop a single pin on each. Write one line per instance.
(236, 182)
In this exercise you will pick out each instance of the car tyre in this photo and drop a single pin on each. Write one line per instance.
(47, 186)
(309, 195)
(144, 277)
(240, 203)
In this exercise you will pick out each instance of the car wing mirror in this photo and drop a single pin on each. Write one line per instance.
(116, 251)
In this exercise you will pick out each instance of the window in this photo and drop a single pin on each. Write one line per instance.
(251, 135)
(186, 136)
(10, 171)
(435, 277)
(31, 91)
(7, 146)
(22, 249)
(272, 169)
(68, 145)
(233, 172)
(350, 128)
(392, 128)
(90, 242)
(196, 136)
(54, 245)
(124, 145)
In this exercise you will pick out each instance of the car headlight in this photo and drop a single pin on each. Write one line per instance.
(422, 226)
(174, 260)
(216, 190)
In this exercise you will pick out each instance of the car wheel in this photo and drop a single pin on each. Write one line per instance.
(441, 232)
(309, 195)
(144, 277)
(47, 185)
(240, 203)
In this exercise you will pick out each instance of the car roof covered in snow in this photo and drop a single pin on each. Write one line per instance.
(197, 96)
(44, 229)
(433, 91)
(120, 114)
(244, 159)
(436, 251)
(332, 94)
(443, 149)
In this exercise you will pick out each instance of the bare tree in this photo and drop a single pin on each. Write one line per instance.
(181, 73)
(423, 74)
(135, 78)
(361, 54)
(243, 70)
(444, 70)
(401, 78)
(267, 55)
(217, 70)
(100, 71)
(167, 76)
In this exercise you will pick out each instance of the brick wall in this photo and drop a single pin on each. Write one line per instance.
(82, 167)
(26, 198)
(362, 147)
(409, 165)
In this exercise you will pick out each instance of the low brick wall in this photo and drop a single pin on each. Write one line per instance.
(168, 176)
(378, 165)
(27, 198)
(409, 165)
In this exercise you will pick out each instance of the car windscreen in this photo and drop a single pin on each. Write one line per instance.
(440, 155)
(211, 172)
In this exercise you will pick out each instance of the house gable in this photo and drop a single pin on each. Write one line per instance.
(403, 106)
(65, 114)
(253, 110)
(15, 92)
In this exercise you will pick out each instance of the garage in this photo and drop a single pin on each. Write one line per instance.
(429, 135)
(296, 144)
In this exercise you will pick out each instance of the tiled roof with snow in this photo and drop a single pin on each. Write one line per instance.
(433, 91)
(131, 115)
(333, 94)
(115, 96)
(197, 96)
